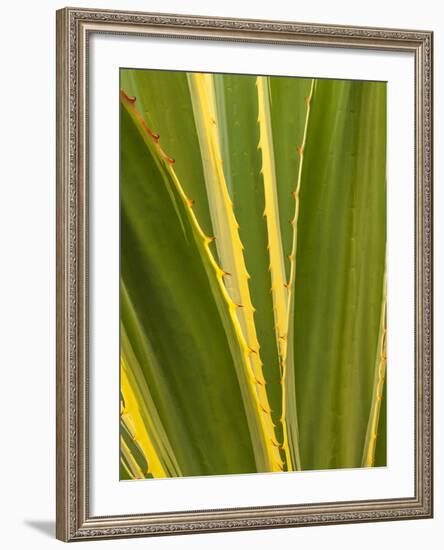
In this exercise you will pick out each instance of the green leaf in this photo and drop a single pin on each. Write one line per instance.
(381, 444)
(238, 114)
(163, 98)
(180, 311)
(166, 272)
(133, 464)
(289, 402)
(288, 108)
(231, 249)
(153, 440)
(339, 270)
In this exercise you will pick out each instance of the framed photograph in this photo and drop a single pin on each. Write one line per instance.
(244, 274)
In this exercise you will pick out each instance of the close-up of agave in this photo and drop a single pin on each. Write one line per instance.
(252, 274)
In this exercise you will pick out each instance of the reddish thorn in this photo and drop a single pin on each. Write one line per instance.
(170, 160)
(226, 274)
(190, 202)
(150, 133)
(252, 350)
(130, 99)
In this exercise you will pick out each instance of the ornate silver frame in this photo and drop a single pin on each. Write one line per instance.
(74, 521)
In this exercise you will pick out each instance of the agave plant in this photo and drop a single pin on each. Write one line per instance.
(253, 236)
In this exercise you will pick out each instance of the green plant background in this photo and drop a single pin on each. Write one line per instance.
(270, 191)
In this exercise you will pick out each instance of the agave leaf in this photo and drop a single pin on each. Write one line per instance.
(230, 248)
(340, 270)
(381, 442)
(283, 123)
(163, 98)
(279, 289)
(133, 463)
(237, 108)
(124, 470)
(282, 282)
(177, 294)
(288, 111)
(129, 459)
(138, 402)
(317, 332)
(368, 456)
(289, 404)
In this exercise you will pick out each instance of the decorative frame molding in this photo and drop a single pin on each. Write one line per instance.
(73, 519)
